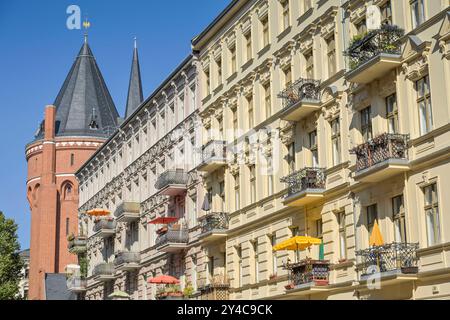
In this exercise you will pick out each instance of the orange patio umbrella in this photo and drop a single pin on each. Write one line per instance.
(98, 212)
(164, 279)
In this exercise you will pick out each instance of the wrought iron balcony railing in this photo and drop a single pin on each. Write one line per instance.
(315, 272)
(306, 179)
(214, 150)
(384, 40)
(216, 221)
(301, 90)
(180, 236)
(77, 244)
(385, 147)
(76, 283)
(103, 269)
(389, 257)
(172, 177)
(104, 224)
(124, 257)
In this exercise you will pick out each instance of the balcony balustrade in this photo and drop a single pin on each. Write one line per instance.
(214, 226)
(308, 273)
(305, 186)
(375, 54)
(393, 258)
(127, 261)
(300, 99)
(172, 240)
(104, 228)
(172, 182)
(381, 157)
(216, 288)
(213, 156)
(76, 284)
(77, 245)
(128, 212)
(104, 272)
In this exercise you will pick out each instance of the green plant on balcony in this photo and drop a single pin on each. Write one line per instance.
(188, 289)
(83, 262)
(71, 237)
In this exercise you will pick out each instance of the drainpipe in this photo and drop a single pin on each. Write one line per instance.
(355, 228)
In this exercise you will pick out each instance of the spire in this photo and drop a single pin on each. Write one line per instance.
(84, 106)
(135, 96)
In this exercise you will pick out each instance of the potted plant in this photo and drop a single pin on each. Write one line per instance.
(188, 290)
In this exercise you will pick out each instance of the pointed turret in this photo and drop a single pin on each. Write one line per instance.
(84, 106)
(135, 96)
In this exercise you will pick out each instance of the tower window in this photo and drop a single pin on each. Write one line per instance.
(72, 159)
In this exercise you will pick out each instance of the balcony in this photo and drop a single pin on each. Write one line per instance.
(300, 99)
(214, 226)
(77, 245)
(304, 187)
(76, 284)
(104, 228)
(395, 260)
(213, 156)
(128, 212)
(381, 158)
(172, 240)
(172, 182)
(217, 288)
(104, 272)
(373, 55)
(308, 275)
(127, 261)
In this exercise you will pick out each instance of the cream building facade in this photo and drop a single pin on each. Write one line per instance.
(310, 118)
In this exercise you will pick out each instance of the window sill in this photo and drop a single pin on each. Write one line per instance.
(232, 77)
(305, 16)
(263, 51)
(284, 33)
(247, 64)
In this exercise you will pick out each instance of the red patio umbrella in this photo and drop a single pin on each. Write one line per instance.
(164, 280)
(163, 220)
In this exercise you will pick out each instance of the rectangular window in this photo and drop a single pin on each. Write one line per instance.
(219, 71)
(291, 157)
(398, 216)
(309, 65)
(319, 229)
(432, 214)
(211, 267)
(366, 124)
(386, 13)
(252, 170)
(307, 4)
(424, 105)
(220, 121)
(248, 46)
(256, 261)
(336, 141)
(237, 198)
(314, 148)
(361, 27)
(269, 175)
(265, 31)
(67, 226)
(72, 159)
(193, 98)
(392, 113)
(250, 111)
(417, 12)
(273, 240)
(207, 83)
(222, 194)
(286, 20)
(331, 55)
(240, 269)
(235, 122)
(287, 76)
(372, 216)
(233, 64)
(342, 236)
(267, 100)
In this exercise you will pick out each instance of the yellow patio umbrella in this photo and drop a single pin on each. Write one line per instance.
(297, 243)
(376, 239)
(98, 212)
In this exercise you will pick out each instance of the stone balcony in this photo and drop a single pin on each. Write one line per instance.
(76, 284)
(304, 187)
(213, 156)
(77, 245)
(104, 272)
(300, 99)
(374, 55)
(214, 226)
(308, 276)
(173, 239)
(128, 212)
(127, 261)
(381, 158)
(172, 182)
(104, 228)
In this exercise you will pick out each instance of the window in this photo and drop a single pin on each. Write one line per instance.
(336, 141)
(287, 76)
(319, 229)
(193, 98)
(193, 212)
(291, 157)
(313, 147)
(432, 214)
(273, 240)
(180, 107)
(265, 31)
(342, 236)
(372, 216)
(331, 55)
(233, 59)
(211, 267)
(237, 192)
(361, 27)
(307, 5)
(235, 122)
(417, 12)
(256, 260)
(398, 217)
(67, 226)
(207, 83)
(220, 121)
(248, 46)
(222, 194)
(285, 15)
(72, 159)
(240, 271)
(267, 100)
(269, 175)
(309, 65)
(392, 113)
(386, 13)
(219, 71)
(296, 232)
(252, 170)
(366, 124)
(424, 105)
(194, 273)
(250, 111)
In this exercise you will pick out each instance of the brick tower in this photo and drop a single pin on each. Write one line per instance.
(81, 119)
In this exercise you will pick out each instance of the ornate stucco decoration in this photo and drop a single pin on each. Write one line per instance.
(305, 39)
(331, 100)
(444, 37)
(287, 132)
(415, 58)
(327, 22)
(357, 10)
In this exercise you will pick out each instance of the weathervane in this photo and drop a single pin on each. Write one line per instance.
(86, 26)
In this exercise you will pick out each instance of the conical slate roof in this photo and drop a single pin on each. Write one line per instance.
(84, 106)
(135, 95)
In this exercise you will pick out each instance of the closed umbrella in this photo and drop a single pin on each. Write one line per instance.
(206, 205)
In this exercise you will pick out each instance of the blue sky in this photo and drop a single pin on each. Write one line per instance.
(38, 50)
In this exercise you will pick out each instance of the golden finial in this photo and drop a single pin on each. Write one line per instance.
(86, 26)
